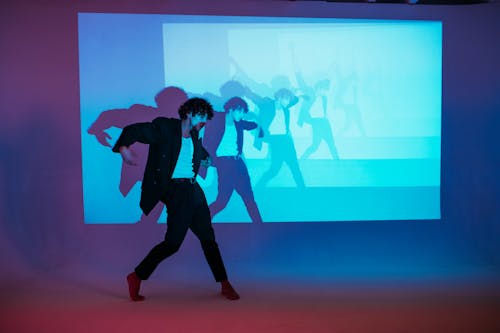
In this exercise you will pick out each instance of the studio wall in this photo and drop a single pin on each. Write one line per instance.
(41, 204)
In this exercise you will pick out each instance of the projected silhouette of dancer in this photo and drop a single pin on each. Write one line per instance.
(168, 101)
(274, 119)
(314, 114)
(346, 98)
(320, 124)
(227, 90)
(175, 155)
(225, 133)
(259, 88)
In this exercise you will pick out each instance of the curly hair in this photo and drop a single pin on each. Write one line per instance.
(196, 105)
(236, 103)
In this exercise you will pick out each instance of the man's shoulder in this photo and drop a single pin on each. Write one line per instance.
(163, 121)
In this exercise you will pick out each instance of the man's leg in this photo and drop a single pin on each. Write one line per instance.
(201, 226)
(173, 239)
(178, 218)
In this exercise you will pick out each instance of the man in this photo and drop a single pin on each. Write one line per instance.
(225, 141)
(174, 158)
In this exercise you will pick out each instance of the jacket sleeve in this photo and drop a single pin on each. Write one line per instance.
(248, 125)
(147, 133)
(204, 153)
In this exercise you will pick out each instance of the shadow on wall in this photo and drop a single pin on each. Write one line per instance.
(168, 101)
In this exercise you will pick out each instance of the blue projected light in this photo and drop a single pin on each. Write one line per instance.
(347, 113)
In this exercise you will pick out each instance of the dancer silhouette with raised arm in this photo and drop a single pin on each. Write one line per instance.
(313, 111)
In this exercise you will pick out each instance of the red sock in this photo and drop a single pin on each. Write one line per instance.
(228, 291)
(134, 284)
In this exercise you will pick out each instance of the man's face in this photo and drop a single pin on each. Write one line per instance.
(237, 114)
(198, 120)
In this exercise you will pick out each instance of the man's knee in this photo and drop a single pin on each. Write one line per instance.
(209, 244)
(167, 247)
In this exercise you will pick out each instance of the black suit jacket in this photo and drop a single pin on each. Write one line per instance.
(164, 138)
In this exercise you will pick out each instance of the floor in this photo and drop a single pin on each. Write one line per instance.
(87, 304)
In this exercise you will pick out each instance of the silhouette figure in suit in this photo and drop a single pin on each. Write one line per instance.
(274, 118)
(225, 133)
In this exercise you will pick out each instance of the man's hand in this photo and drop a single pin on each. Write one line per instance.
(128, 155)
(206, 162)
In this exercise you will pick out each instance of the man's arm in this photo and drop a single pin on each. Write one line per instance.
(140, 132)
(146, 133)
(205, 160)
(128, 155)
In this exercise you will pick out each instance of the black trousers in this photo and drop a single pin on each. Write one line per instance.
(186, 209)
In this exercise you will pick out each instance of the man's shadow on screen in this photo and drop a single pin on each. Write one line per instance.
(168, 101)
(228, 178)
(281, 147)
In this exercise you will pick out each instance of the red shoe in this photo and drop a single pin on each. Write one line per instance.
(228, 291)
(134, 284)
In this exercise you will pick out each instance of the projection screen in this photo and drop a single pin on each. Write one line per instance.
(359, 138)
